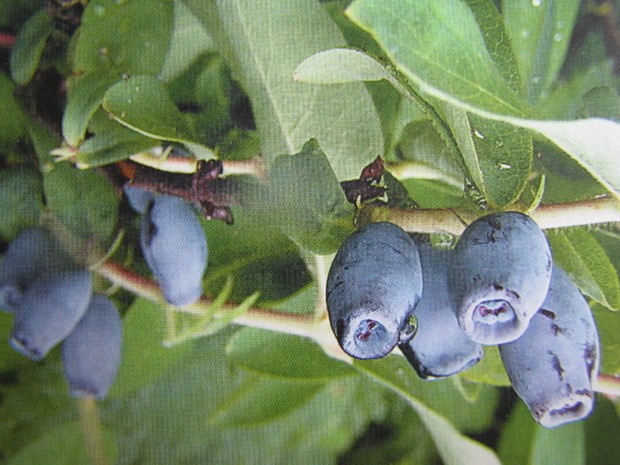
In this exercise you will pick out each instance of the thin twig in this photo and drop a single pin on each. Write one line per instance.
(90, 423)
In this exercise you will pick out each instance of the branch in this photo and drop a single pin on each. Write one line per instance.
(586, 212)
(305, 326)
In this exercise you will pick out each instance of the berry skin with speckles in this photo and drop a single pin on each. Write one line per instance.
(439, 347)
(373, 285)
(175, 248)
(499, 276)
(91, 354)
(552, 365)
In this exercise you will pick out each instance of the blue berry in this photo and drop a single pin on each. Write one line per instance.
(139, 199)
(499, 276)
(439, 347)
(91, 354)
(32, 253)
(49, 310)
(373, 285)
(175, 248)
(552, 365)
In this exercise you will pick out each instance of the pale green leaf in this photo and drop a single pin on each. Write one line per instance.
(338, 66)
(264, 42)
(29, 45)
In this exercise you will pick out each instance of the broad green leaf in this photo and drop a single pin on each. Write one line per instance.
(64, 444)
(307, 202)
(602, 102)
(262, 352)
(132, 37)
(582, 257)
(439, 43)
(83, 201)
(540, 32)
(431, 193)
(560, 445)
(12, 117)
(516, 439)
(454, 448)
(84, 95)
(339, 66)
(29, 46)
(142, 103)
(189, 40)
(144, 358)
(602, 430)
(490, 370)
(498, 155)
(111, 146)
(608, 325)
(261, 400)
(263, 42)
(21, 200)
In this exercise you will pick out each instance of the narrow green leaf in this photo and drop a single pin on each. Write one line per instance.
(307, 201)
(112, 145)
(64, 445)
(264, 42)
(564, 445)
(260, 351)
(260, 400)
(608, 325)
(144, 359)
(582, 257)
(132, 37)
(29, 45)
(21, 198)
(82, 200)
(84, 95)
(439, 43)
(515, 442)
(453, 447)
(540, 32)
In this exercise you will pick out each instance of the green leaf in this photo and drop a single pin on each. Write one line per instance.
(539, 34)
(454, 448)
(439, 43)
(83, 200)
(608, 325)
(189, 40)
(142, 103)
(602, 431)
(263, 42)
(84, 95)
(307, 201)
(29, 45)
(12, 117)
(261, 352)
(144, 359)
(515, 442)
(21, 200)
(132, 37)
(8, 357)
(112, 145)
(339, 66)
(260, 400)
(498, 156)
(578, 253)
(490, 370)
(64, 444)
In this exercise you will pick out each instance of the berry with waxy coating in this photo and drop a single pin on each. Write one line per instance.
(138, 199)
(439, 346)
(49, 310)
(91, 354)
(552, 365)
(32, 253)
(374, 283)
(499, 276)
(175, 248)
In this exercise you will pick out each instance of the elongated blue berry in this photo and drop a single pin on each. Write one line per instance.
(373, 285)
(32, 253)
(91, 354)
(49, 310)
(139, 199)
(175, 248)
(499, 276)
(439, 346)
(552, 365)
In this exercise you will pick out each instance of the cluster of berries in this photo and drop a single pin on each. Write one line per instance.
(52, 300)
(498, 286)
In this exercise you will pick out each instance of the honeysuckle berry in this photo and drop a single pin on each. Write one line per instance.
(138, 199)
(499, 276)
(49, 310)
(91, 354)
(175, 248)
(32, 253)
(373, 285)
(439, 347)
(552, 365)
